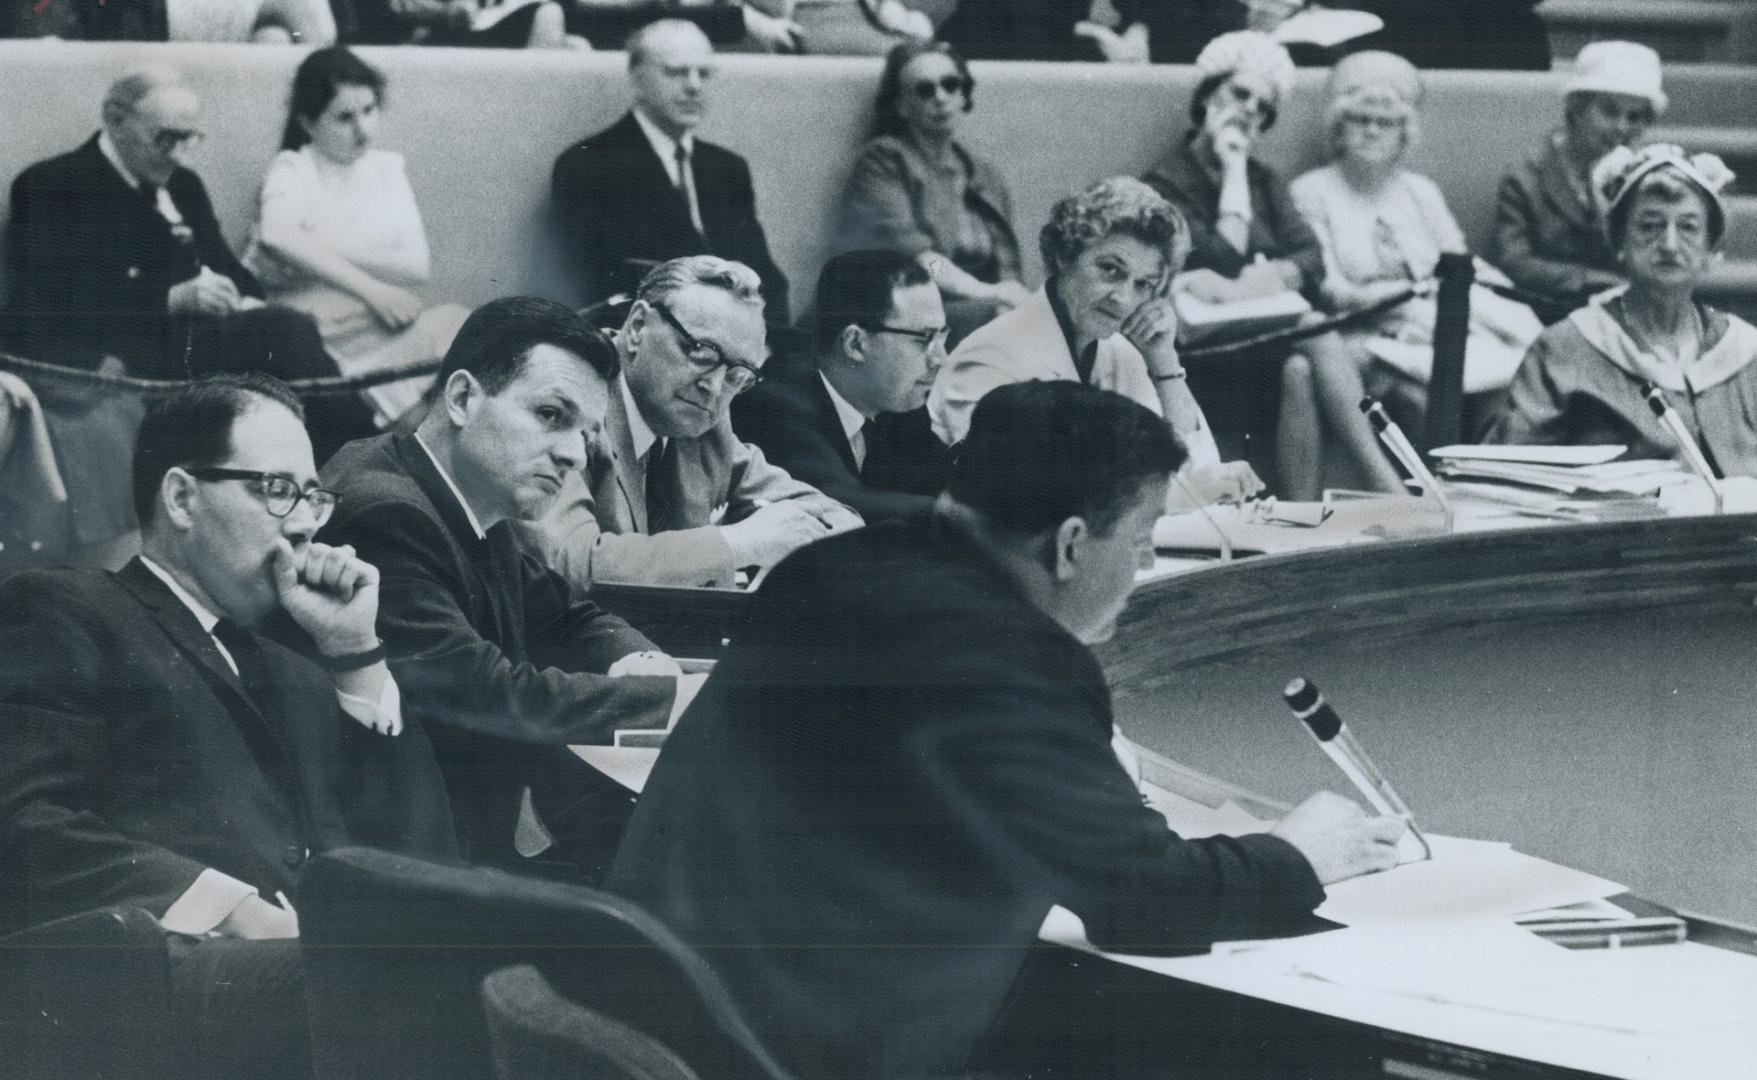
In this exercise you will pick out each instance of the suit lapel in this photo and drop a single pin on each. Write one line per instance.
(180, 625)
(818, 395)
(658, 178)
(623, 463)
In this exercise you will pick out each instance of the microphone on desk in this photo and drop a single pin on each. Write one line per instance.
(1340, 745)
(1693, 456)
(1405, 453)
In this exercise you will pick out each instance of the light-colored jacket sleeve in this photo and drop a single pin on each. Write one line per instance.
(968, 375)
(579, 548)
(1535, 412)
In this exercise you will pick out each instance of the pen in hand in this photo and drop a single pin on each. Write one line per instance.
(1339, 744)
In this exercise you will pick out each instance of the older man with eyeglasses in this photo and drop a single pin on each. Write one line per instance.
(115, 262)
(670, 495)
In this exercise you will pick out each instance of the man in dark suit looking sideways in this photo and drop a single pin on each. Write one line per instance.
(842, 410)
(645, 189)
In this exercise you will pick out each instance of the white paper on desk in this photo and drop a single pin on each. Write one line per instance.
(1466, 880)
(489, 17)
(1498, 967)
(1536, 455)
(1193, 820)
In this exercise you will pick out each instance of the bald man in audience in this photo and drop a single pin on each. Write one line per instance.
(843, 410)
(904, 760)
(115, 262)
(646, 189)
(158, 751)
(504, 662)
(672, 496)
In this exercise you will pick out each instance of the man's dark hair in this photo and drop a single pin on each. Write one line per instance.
(1040, 452)
(854, 289)
(497, 339)
(192, 428)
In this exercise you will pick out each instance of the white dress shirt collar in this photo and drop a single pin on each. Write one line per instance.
(475, 524)
(664, 145)
(639, 433)
(206, 618)
(852, 419)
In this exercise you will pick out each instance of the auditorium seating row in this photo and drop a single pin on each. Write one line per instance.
(1686, 30)
(481, 129)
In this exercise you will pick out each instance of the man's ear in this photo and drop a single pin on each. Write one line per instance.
(634, 327)
(1070, 547)
(178, 492)
(854, 343)
(461, 393)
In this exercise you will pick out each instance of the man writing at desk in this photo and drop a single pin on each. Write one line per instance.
(904, 761)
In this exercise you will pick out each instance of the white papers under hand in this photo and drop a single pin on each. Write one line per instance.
(1465, 880)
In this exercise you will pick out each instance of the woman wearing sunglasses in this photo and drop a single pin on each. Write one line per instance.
(919, 190)
(1250, 242)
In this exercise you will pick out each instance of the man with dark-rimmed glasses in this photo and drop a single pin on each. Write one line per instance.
(158, 751)
(844, 411)
(669, 495)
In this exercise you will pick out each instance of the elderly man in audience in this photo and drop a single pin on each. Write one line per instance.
(504, 661)
(646, 189)
(115, 261)
(673, 496)
(1547, 222)
(844, 412)
(905, 760)
(157, 751)
(1583, 382)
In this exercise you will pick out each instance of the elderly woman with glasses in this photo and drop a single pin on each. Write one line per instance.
(1384, 228)
(1249, 241)
(1103, 319)
(338, 234)
(916, 188)
(1583, 382)
(1547, 223)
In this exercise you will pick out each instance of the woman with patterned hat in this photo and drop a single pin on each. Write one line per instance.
(1583, 381)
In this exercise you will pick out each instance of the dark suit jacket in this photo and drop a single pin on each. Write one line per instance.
(894, 772)
(131, 758)
(493, 651)
(614, 201)
(89, 262)
(790, 415)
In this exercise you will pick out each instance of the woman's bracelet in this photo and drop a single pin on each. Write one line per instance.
(1180, 373)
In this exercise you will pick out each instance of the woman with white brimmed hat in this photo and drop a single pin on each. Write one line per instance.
(1384, 229)
(1546, 224)
(1582, 382)
(1249, 240)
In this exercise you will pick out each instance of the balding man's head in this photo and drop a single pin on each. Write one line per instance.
(152, 118)
(670, 63)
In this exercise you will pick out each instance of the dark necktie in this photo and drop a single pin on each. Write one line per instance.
(246, 656)
(659, 484)
(686, 184)
(246, 650)
(1086, 361)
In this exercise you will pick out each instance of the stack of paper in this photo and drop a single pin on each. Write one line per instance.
(1581, 471)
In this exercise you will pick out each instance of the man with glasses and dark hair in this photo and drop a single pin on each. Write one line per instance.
(503, 661)
(115, 261)
(157, 751)
(847, 417)
(672, 496)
